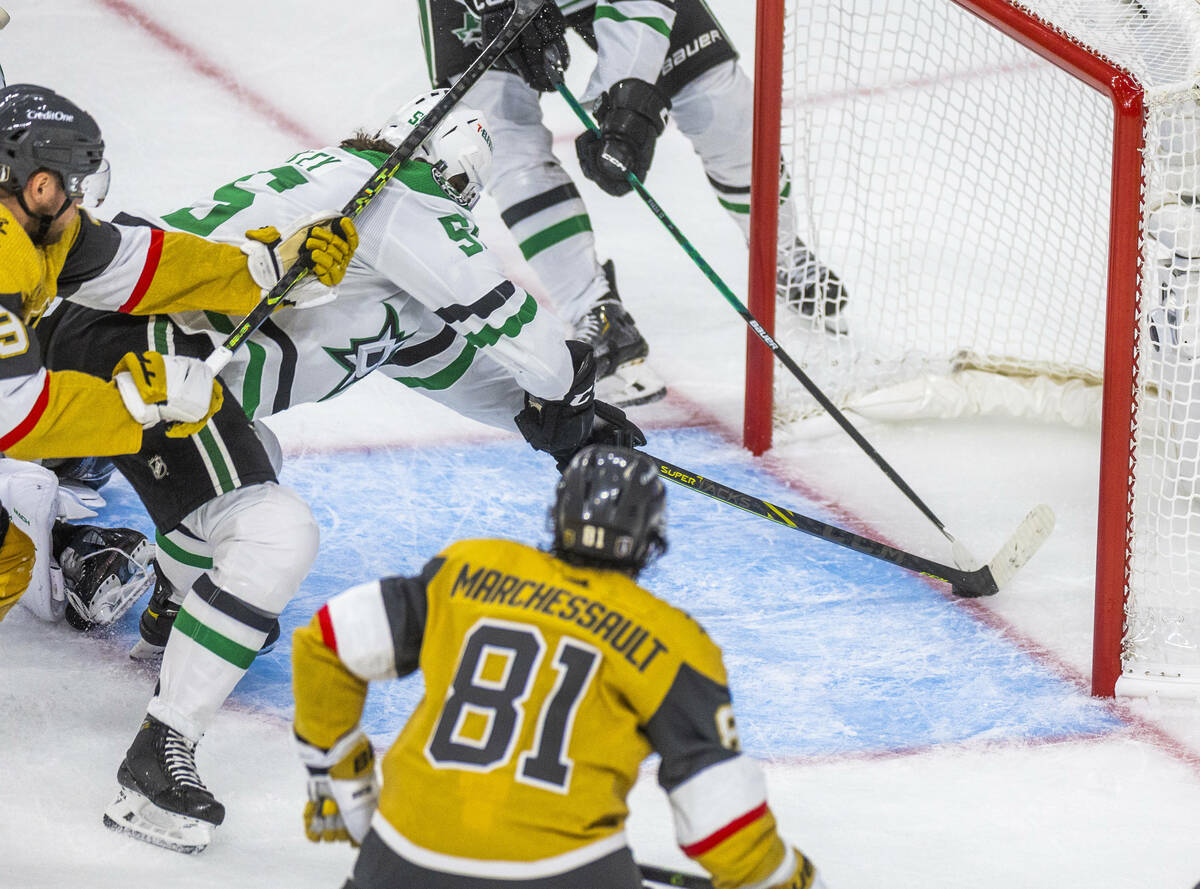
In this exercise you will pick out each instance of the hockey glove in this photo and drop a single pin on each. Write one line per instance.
(343, 789)
(631, 115)
(612, 427)
(157, 387)
(540, 54)
(326, 242)
(560, 428)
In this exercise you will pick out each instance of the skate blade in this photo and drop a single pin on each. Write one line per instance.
(131, 813)
(630, 385)
(145, 651)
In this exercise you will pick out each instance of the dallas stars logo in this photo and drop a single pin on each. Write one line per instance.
(369, 353)
(471, 32)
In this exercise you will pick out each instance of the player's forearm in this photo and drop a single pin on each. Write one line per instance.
(73, 415)
(630, 45)
(329, 698)
(752, 855)
(194, 274)
(139, 270)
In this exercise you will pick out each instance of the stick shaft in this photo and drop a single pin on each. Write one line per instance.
(978, 582)
(666, 877)
(761, 332)
(523, 13)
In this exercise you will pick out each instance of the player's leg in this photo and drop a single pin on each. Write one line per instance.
(543, 209)
(86, 573)
(221, 485)
(712, 103)
(29, 493)
(16, 563)
(181, 557)
(263, 540)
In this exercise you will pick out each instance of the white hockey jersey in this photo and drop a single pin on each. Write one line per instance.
(423, 300)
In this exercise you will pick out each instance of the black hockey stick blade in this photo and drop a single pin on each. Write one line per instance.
(523, 13)
(660, 876)
(983, 581)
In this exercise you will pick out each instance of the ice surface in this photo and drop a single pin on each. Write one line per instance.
(910, 739)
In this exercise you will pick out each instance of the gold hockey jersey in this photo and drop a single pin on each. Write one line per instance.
(131, 269)
(546, 685)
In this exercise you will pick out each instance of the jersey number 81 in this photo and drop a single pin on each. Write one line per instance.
(484, 710)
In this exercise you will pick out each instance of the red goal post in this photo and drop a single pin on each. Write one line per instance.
(1119, 298)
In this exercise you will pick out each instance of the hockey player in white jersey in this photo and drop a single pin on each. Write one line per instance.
(654, 58)
(425, 303)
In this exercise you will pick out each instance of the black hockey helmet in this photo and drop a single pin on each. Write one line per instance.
(41, 130)
(610, 508)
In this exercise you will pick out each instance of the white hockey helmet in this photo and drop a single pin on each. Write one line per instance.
(459, 148)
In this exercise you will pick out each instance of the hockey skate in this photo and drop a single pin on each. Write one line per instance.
(104, 570)
(159, 616)
(623, 378)
(811, 290)
(162, 799)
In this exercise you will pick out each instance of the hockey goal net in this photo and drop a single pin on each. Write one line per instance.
(1011, 194)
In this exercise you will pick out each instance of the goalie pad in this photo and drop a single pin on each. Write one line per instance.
(30, 494)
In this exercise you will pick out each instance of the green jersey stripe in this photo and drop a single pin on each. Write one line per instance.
(657, 24)
(555, 234)
(447, 376)
(489, 335)
(252, 382)
(179, 554)
(222, 646)
(218, 467)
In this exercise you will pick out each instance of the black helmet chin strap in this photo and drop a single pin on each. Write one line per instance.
(44, 220)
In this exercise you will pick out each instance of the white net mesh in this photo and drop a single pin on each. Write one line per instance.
(960, 186)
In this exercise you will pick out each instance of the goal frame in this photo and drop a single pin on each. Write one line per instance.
(1114, 520)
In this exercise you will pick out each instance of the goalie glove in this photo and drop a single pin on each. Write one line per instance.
(325, 241)
(157, 387)
(343, 789)
(631, 115)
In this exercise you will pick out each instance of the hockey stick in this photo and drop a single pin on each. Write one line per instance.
(983, 581)
(961, 554)
(523, 13)
(661, 876)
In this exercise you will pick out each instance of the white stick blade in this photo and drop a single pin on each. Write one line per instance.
(1021, 546)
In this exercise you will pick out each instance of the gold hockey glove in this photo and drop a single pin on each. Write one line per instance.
(329, 241)
(174, 388)
(343, 789)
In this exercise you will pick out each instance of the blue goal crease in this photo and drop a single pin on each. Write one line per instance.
(828, 651)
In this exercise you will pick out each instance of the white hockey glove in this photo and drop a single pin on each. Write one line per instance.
(343, 789)
(327, 239)
(157, 387)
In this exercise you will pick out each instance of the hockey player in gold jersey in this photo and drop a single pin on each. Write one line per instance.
(51, 162)
(549, 677)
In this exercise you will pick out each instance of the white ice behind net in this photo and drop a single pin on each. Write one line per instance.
(960, 186)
